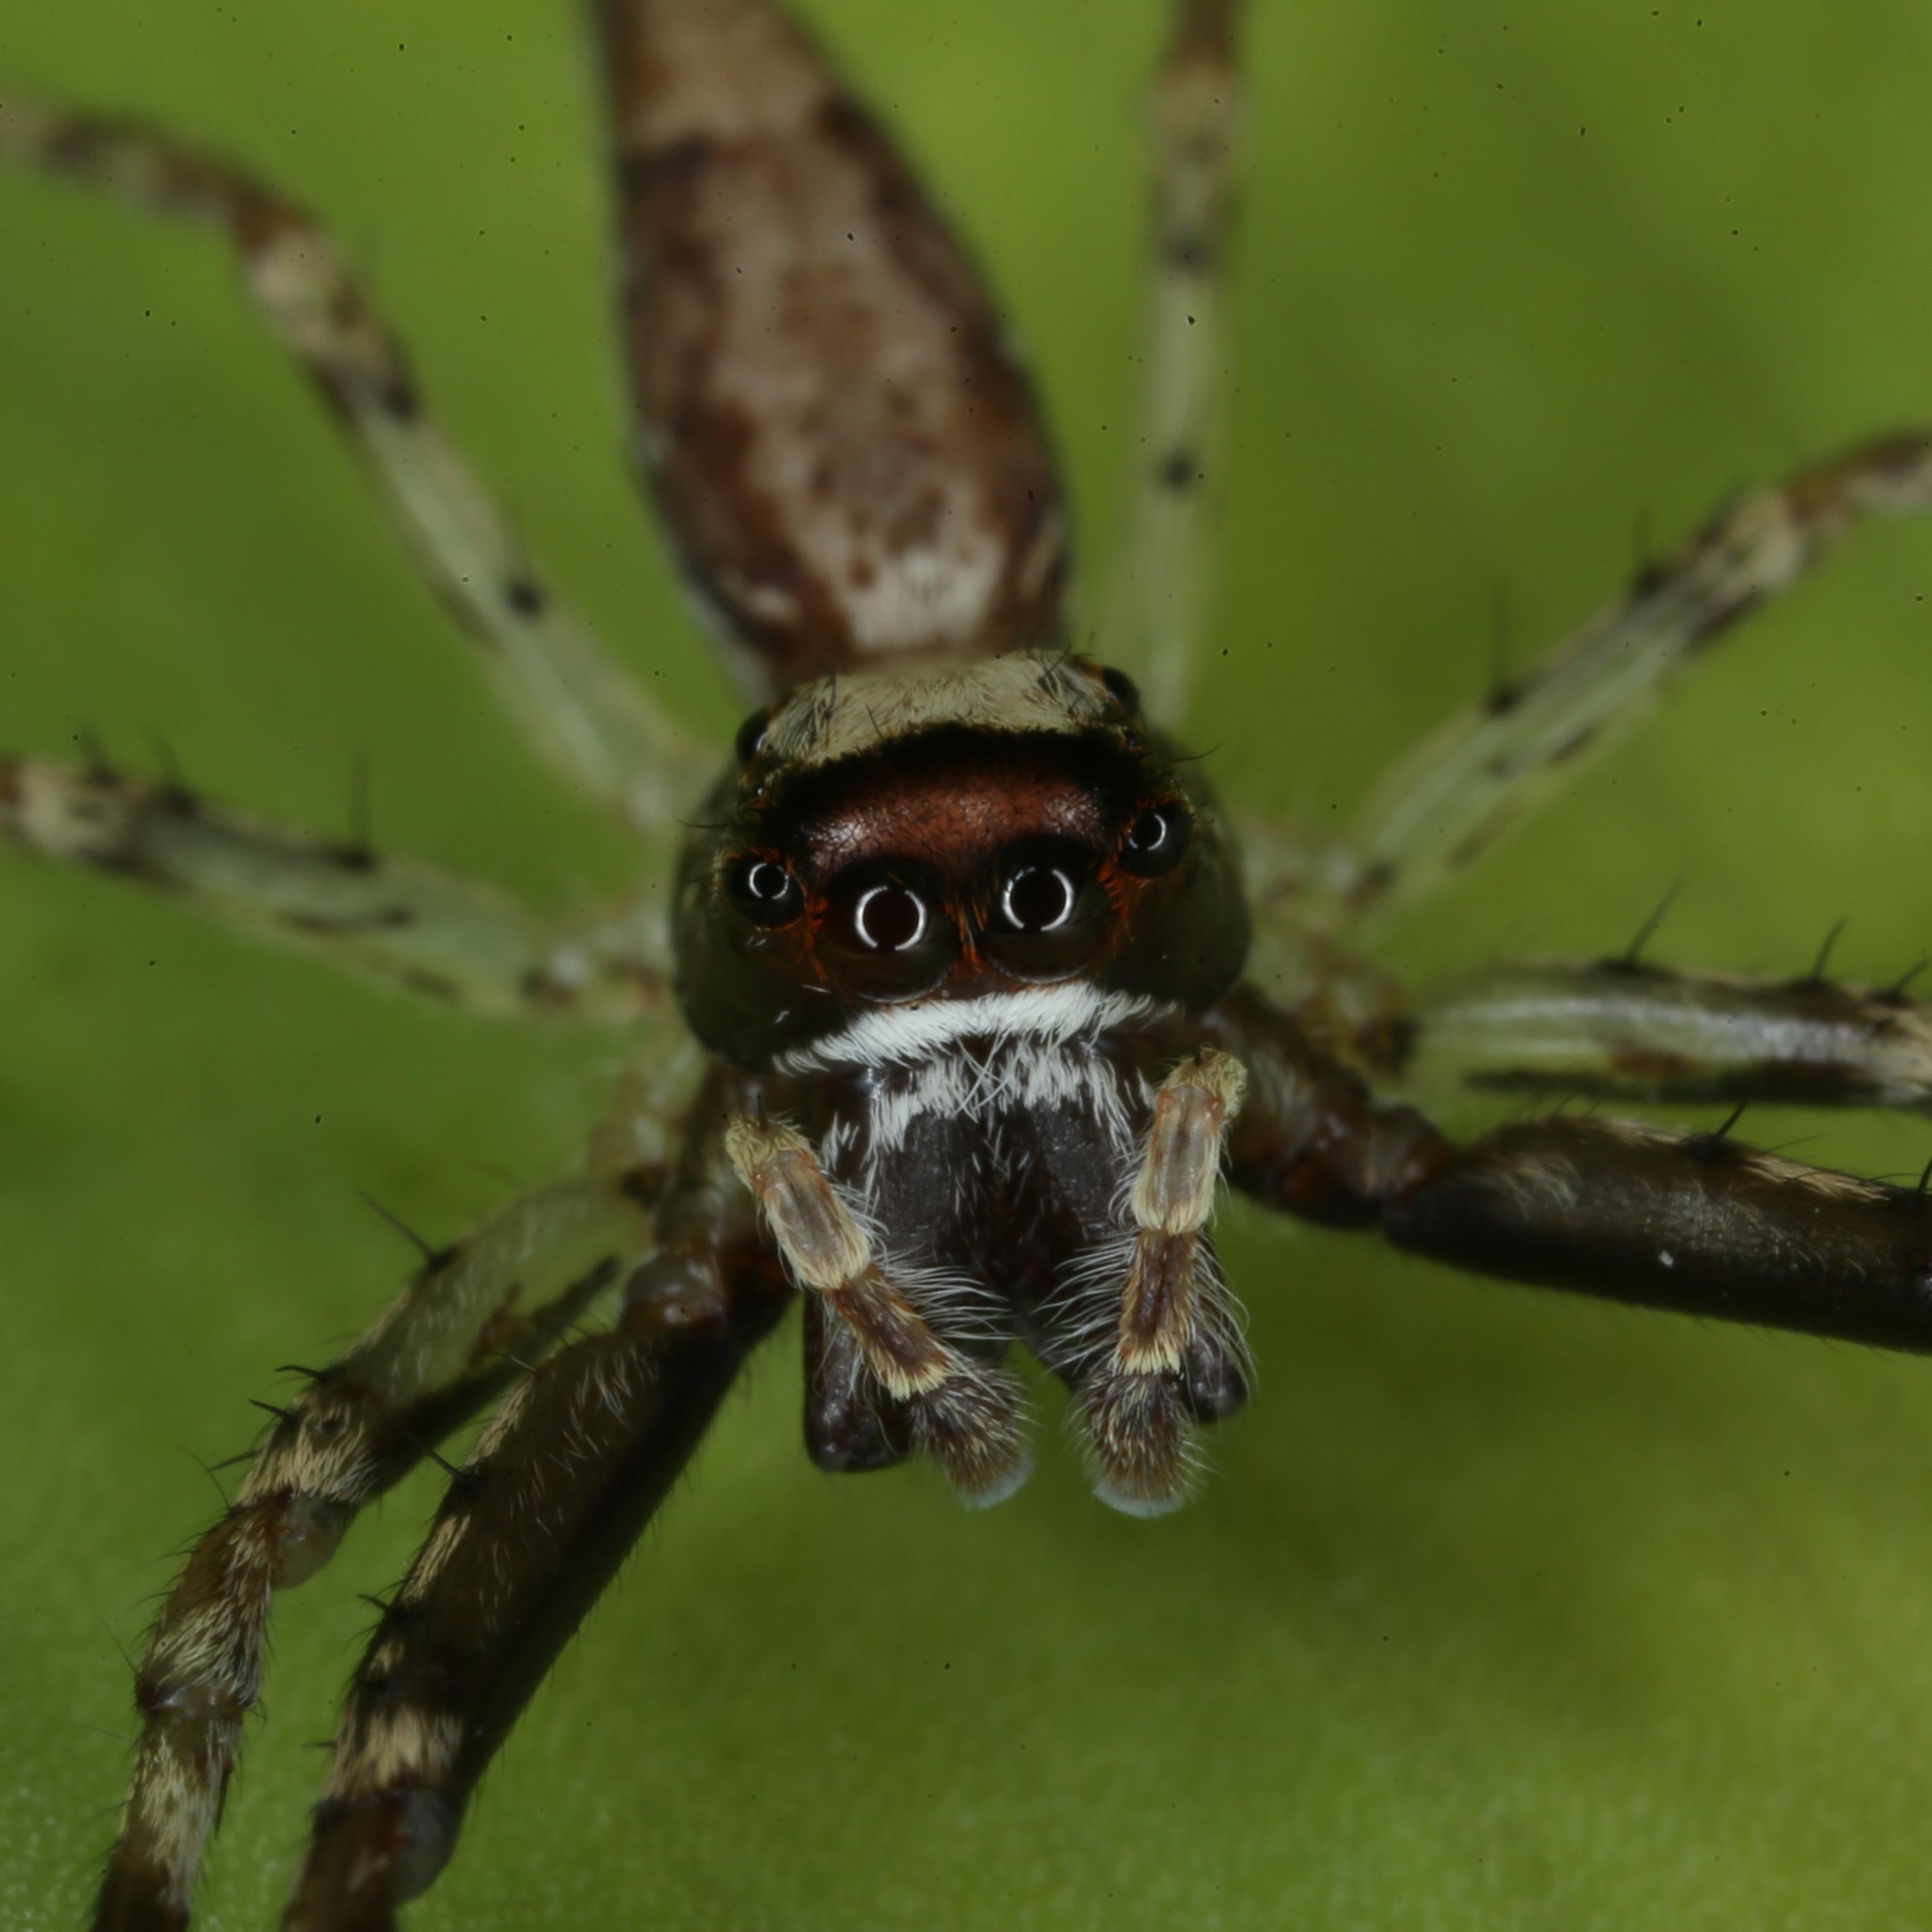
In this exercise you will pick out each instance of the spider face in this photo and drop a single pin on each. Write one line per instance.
(897, 838)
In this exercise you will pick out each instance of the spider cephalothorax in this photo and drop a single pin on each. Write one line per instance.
(960, 934)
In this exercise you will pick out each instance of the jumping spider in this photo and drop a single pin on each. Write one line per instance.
(961, 932)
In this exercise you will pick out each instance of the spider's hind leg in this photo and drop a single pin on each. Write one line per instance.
(1441, 809)
(585, 715)
(1158, 601)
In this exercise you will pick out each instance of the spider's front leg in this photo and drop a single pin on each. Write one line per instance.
(455, 940)
(964, 1413)
(532, 1528)
(1694, 1222)
(1174, 1356)
(446, 1347)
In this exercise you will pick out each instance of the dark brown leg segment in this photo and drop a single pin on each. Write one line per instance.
(532, 1528)
(1693, 1221)
(851, 1424)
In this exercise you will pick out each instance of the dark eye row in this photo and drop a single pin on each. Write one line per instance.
(883, 935)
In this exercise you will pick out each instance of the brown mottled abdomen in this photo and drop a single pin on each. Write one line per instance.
(846, 450)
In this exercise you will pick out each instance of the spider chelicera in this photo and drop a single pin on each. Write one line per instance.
(962, 935)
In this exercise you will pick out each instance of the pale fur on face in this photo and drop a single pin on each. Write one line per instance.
(1023, 691)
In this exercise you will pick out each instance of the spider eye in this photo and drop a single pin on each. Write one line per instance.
(1049, 917)
(889, 917)
(1038, 897)
(885, 935)
(1121, 688)
(763, 890)
(1155, 841)
(751, 735)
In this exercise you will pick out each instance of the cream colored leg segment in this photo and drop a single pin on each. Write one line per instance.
(1445, 804)
(455, 1339)
(965, 1415)
(446, 937)
(1160, 595)
(587, 717)
(1135, 1405)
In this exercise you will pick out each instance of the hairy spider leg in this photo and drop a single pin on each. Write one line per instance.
(588, 718)
(1446, 804)
(531, 1529)
(1693, 1223)
(850, 1424)
(965, 1413)
(1624, 1030)
(455, 940)
(1135, 1403)
(447, 1345)
(1160, 597)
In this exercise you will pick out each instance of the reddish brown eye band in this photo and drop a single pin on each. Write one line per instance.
(763, 890)
(1156, 840)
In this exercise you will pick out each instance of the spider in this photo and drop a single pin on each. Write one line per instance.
(1069, 976)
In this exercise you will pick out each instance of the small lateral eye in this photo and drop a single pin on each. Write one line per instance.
(1039, 897)
(763, 890)
(889, 917)
(751, 735)
(1121, 688)
(1155, 841)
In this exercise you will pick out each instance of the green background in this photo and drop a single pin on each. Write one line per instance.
(1501, 1610)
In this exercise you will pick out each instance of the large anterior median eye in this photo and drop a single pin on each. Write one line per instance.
(1039, 896)
(886, 934)
(1049, 915)
(889, 917)
(763, 890)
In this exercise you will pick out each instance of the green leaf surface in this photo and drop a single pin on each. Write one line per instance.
(1501, 1610)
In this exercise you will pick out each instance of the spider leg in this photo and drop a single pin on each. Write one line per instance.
(591, 722)
(838, 436)
(531, 1529)
(1139, 1401)
(849, 1424)
(1442, 807)
(446, 938)
(964, 1413)
(1614, 1030)
(442, 1350)
(1161, 586)
(1696, 1222)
